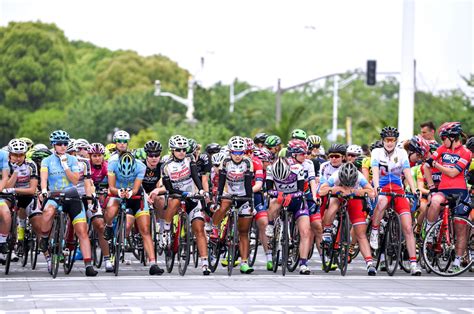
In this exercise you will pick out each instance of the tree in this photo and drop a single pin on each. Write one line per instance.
(39, 124)
(34, 61)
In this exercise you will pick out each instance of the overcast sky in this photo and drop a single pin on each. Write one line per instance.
(260, 41)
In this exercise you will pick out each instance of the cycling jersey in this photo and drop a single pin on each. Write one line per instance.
(458, 158)
(99, 173)
(57, 178)
(435, 176)
(366, 164)
(334, 180)
(84, 173)
(122, 182)
(235, 175)
(258, 170)
(3, 161)
(203, 164)
(390, 166)
(317, 164)
(308, 169)
(179, 174)
(326, 171)
(290, 184)
(152, 176)
(25, 172)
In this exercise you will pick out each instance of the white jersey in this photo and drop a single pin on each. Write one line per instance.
(290, 184)
(326, 170)
(179, 173)
(84, 173)
(390, 166)
(235, 175)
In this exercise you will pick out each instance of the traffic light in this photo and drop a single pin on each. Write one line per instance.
(371, 72)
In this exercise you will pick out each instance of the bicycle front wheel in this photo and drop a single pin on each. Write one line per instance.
(294, 244)
(253, 239)
(284, 244)
(232, 241)
(11, 243)
(344, 242)
(393, 243)
(184, 234)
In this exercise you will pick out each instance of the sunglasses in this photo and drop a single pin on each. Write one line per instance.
(153, 155)
(237, 153)
(122, 141)
(352, 155)
(335, 156)
(61, 143)
(81, 148)
(390, 140)
(180, 150)
(316, 146)
(17, 155)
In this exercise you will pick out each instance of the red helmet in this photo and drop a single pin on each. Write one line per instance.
(297, 146)
(450, 129)
(249, 145)
(419, 145)
(263, 154)
(96, 148)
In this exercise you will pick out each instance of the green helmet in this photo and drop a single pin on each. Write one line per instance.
(139, 154)
(193, 145)
(299, 134)
(273, 141)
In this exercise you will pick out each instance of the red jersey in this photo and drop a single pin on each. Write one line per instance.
(458, 158)
(258, 170)
(98, 174)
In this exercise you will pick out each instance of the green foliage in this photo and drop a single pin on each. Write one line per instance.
(34, 61)
(48, 83)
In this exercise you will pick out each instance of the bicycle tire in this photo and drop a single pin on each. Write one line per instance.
(433, 260)
(69, 262)
(170, 251)
(344, 242)
(195, 252)
(393, 238)
(214, 253)
(26, 246)
(253, 243)
(327, 254)
(183, 244)
(232, 241)
(276, 244)
(284, 244)
(294, 244)
(404, 262)
(11, 243)
(153, 233)
(97, 255)
(119, 241)
(57, 244)
(34, 252)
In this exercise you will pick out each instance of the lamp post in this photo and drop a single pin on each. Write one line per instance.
(188, 102)
(233, 98)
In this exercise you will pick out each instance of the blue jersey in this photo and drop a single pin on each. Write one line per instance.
(3, 161)
(122, 182)
(334, 180)
(57, 178)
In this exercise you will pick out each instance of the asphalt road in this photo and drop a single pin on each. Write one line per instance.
(134, 291)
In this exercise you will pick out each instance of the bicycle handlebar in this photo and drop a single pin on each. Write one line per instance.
(189, 196)
(237, 198)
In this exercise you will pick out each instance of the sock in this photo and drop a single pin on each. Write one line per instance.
(368, 261)
(244, 262)
(375, 229)
(269, 256)
(3, 238)
(106, 258)
(428, 225)
(109, 225)
(22, 222)
(167, 226)
(87, 262)
(303, 261)
(457, 261)
(204, 261)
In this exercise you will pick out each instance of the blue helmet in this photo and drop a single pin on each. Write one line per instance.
(59, 136)
(127, 164)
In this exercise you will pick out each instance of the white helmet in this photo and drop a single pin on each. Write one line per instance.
(354, 149)
(178, 141)
(237, 144)
(82, 143)
(17, 146)
(165, 158)
(40, 147)
(281, 169)
(218, 158)
(71, 147)
(121, 135)
(322, 152)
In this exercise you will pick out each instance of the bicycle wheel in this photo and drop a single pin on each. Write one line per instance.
(184, 244)
(97, 255)
(71, 258)
(253, 241)
(26, 243)
(327, 254)
(276, 244)
(11, 243)
(172, 248)
(404, 257)
(344, 242)
(34, 251)
(294, 244)
(119, 242)
(393, 239)
(153, 233)
(195, 252)
(57, 247)
(232, 244)
(439, 248)
(284, 243)
(214, 253)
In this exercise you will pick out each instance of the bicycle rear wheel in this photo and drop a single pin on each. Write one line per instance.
(97, 255)
(344, 242)
(214, 253)
(119, 242)
(393, 239)
(172, 248)
(34, 251)
(57, 245)
(276, 248)
(294, 244)
(11, 243)
(284, 244)
(253, 240)
(184, 234)
(26, 244)
(195, 252)
(71, 258)
(232, 241)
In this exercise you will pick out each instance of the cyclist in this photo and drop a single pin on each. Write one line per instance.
(296, 134)
(348, 180)
(23, 181)
(366, 163)
(98, 164)
(82, 147)
(151, 181)
(273, 144)
(259, 139)
(180, 176)
(314, 145)
(211, 149)
(389, 164)
(235, 178)
(287, 181)
(125, 179)
(120, 139)
(203, 162)
(60, 173)
(452, 160)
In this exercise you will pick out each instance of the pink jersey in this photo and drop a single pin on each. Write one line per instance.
(99, 174)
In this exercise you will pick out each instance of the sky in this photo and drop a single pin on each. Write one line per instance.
(259, 41)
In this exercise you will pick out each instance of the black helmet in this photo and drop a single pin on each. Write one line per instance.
(389, 131)
(337, 149)
(260, 138)
(348, 174)
(376, 144)
(213, 148)
(470, 143)
(153, 146)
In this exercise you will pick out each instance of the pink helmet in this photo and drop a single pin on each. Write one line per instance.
(249, 144)
(263, 154)
(96, 148)
(297, 146)
(419, 145)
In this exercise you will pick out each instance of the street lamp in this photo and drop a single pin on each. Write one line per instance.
(188, 102)
(233, 98)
